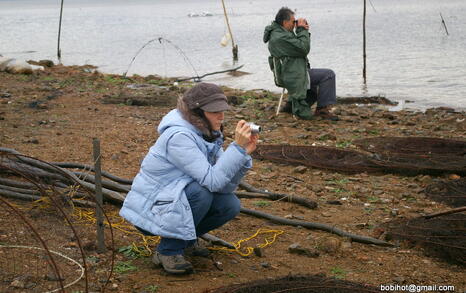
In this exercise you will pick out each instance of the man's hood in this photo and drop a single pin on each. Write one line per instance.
(269, 29)
(174, 118)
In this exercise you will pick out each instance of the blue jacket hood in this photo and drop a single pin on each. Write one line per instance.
(174, 118)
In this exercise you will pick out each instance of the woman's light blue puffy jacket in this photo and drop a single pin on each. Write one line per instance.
(157, 202)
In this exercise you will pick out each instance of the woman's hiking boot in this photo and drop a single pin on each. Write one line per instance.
(324, 113)
(173, 264)
(197, 249)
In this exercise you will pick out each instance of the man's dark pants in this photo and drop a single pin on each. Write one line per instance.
(322, 87)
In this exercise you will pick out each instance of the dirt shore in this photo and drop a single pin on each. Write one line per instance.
(54, 114)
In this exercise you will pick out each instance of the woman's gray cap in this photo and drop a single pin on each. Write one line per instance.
(206, 96)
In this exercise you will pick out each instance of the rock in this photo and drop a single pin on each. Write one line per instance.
(218, 265)
(346, 245)
(334, 202)
(18, 284)
(265, 265)
(326, 214)
(46, 63)
(302, 136)
(426, 179)
(298, 249)
(453, 177)
(388, 116)
(14, 66)
(399, 280)
(330, 245)
(300, 169)
(52, 277)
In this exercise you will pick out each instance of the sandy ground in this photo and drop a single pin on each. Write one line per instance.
(54, 115)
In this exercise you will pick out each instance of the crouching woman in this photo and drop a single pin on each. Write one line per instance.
(185, 185)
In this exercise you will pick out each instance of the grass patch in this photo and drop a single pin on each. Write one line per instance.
(131, 251)
(124, 267)
(115, 79)
(343, 144)
(373, 199)
(152, 288)
(262, 203)
(338, 272)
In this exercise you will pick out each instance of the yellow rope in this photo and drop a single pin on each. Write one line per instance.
(249, 250)
(142, 247)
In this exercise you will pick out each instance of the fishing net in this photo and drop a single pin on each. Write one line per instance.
(443, 237)
(349, 161)
(298, 284)
(318, 157)
(419, 164)
(452, 193)
(43, 248)
(413, 145)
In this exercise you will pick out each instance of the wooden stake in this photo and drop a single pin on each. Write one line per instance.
(99, 197)
(280, 102)
(234, 47)
(364, 43)
(444, 24)
(59, 33)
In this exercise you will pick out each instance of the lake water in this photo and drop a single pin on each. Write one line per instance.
(409, 55)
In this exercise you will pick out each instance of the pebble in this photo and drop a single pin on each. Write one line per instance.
(265, 265)
(296, 248)
(330, 245)
(300, 169)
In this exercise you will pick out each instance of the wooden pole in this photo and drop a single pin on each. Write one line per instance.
(59, 33)
(449, 212)
(444, 24)
(280, 102)
(98, 197)
(364, 43)
(235, 47)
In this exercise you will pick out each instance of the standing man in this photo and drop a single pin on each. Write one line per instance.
(290, 66)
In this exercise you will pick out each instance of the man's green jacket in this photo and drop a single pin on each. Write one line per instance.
(289, 62)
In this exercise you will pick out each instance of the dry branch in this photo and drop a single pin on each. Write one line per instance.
(444, 213)
(91, 168)
(316, 226)
(217, 241)
(29, 197)
(294, 199)
(105, 183)
(109, 194)
(279, 196)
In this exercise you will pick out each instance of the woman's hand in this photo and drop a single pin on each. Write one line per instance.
(244, 138)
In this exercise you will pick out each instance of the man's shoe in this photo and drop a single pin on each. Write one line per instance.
(173, 264)
(197, 250)
(324, 113)
(286, 107)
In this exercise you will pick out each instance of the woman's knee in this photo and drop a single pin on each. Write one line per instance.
(233, 208)
(199, 194)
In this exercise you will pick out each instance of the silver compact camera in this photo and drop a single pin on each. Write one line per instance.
(255, 129)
